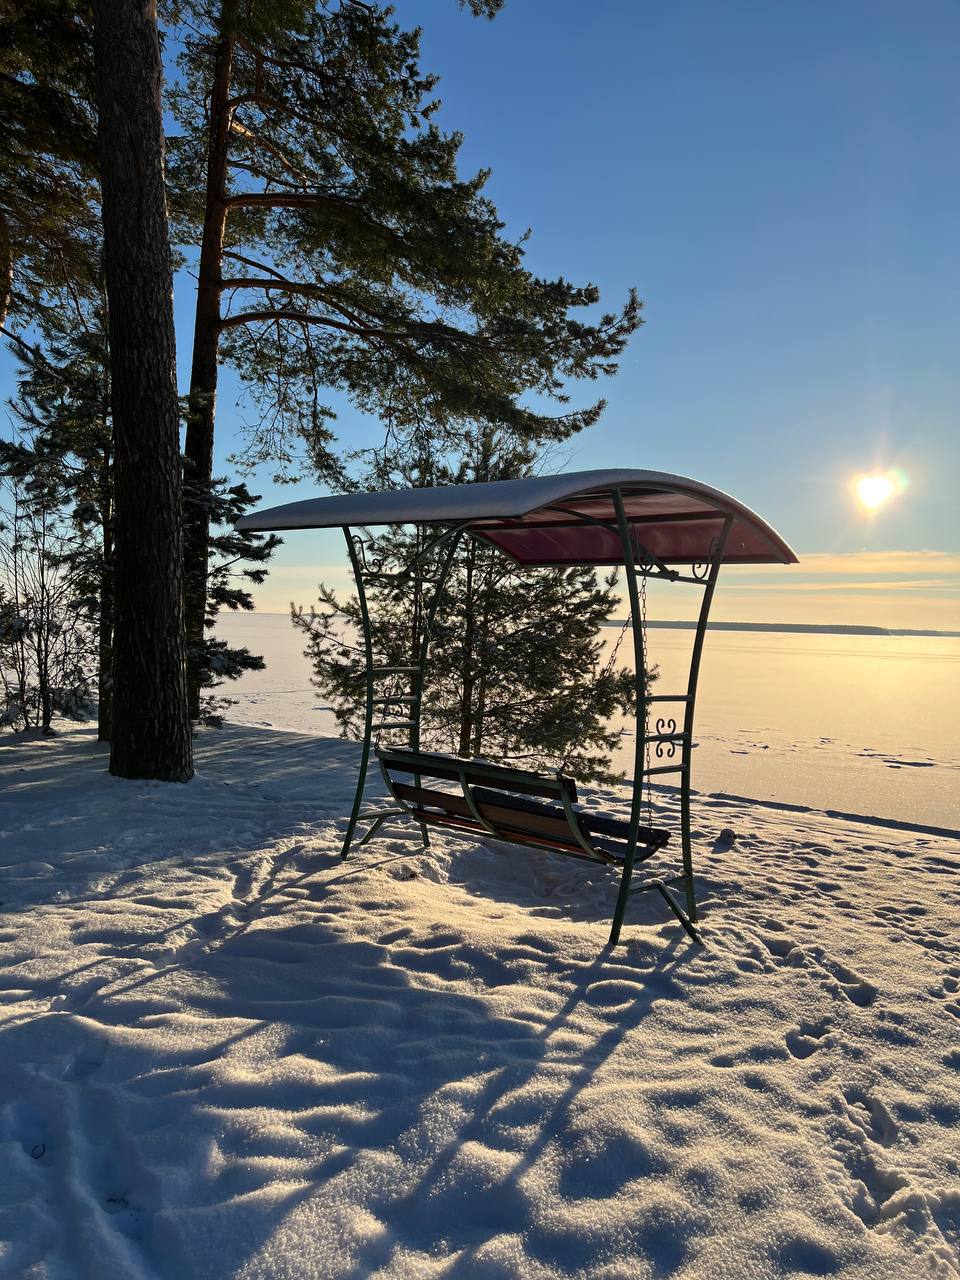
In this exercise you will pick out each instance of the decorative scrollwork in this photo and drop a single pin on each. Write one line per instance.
(700, 569)
(645, 561)
(666, 747)
(371, 565)
(364, 549)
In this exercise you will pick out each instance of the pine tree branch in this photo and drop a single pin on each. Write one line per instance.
(257, 172)
(356, 323)
(278, 282)
(35, 354)
(356, 329)
(252, 262)
(301, 288)
(259, 99)
(264, 144)
(306, 291)
(341, 208)
(298, 200)
(32, 352)
(285, 64)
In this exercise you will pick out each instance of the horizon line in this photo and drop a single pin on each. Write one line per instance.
(680, 624)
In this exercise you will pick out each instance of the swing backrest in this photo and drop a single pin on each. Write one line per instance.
(478, 773)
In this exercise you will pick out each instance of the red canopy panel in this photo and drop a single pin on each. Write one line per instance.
(674, 527)
(563, 519)
(674, 543)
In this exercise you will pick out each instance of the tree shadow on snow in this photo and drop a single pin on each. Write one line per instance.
(388, 1047)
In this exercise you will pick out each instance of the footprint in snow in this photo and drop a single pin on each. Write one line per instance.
(133, 1222)
(26, 1124)
(837, 978)
(872, 1184)
(872, 1116)
(951, 983)
(784, 950)
(843, 981)
(80, 1066)
(806, 1039)
(126, 1191)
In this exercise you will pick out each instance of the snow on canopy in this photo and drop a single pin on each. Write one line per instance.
(560, 519)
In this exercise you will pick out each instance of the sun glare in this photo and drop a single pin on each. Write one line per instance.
(875, 490)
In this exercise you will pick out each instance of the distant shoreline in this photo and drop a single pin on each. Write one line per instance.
(797, 628)
(803, 628)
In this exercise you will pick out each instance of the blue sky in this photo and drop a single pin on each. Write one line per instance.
(780, 182)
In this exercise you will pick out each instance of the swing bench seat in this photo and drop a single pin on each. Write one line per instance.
(498, 801)
(531, 810)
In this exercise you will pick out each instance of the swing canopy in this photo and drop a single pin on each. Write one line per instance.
(557, 520)
(657, 526)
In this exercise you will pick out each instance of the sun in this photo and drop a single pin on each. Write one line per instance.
(876, 489)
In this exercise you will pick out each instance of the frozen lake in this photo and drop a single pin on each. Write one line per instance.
(866, 724)
(862, 724)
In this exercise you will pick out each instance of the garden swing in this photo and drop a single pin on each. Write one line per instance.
(654, 525)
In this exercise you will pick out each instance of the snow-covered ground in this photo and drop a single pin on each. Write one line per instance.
(225, 1053)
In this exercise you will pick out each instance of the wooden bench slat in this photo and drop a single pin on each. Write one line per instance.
(522, 838)
(594, 823)
(512, 817)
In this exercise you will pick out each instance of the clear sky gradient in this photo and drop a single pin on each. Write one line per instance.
(780, 182)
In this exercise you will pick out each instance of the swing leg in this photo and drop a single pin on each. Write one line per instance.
(622, 897)
(686, 844)
(691, 898)
(380, 820)
(687, 925)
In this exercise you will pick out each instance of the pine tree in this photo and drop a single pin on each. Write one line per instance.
(236, 561)
(65, 444)
(150, 731)
(51, 279)
(515, 671)
(341, 249)
(47, 636)
(49, 195)
(63, 449)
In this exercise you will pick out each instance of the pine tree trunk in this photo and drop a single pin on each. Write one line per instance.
(6, 268)
(42, 657)
(477, 692)
(483, 640)
(198, 449)
(469, 624)
(106, 615)
(105, 635)
(150, 735)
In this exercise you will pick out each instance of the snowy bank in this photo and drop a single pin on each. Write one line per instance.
(225, 1053)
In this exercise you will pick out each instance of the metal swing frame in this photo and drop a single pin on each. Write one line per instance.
(637, 562)
(624, 515)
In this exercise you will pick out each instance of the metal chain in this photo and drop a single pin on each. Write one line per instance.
(605, 670)
(644, 719)
(608, 665)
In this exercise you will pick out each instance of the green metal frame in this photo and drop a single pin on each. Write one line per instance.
(638, 562)
(371, 672)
